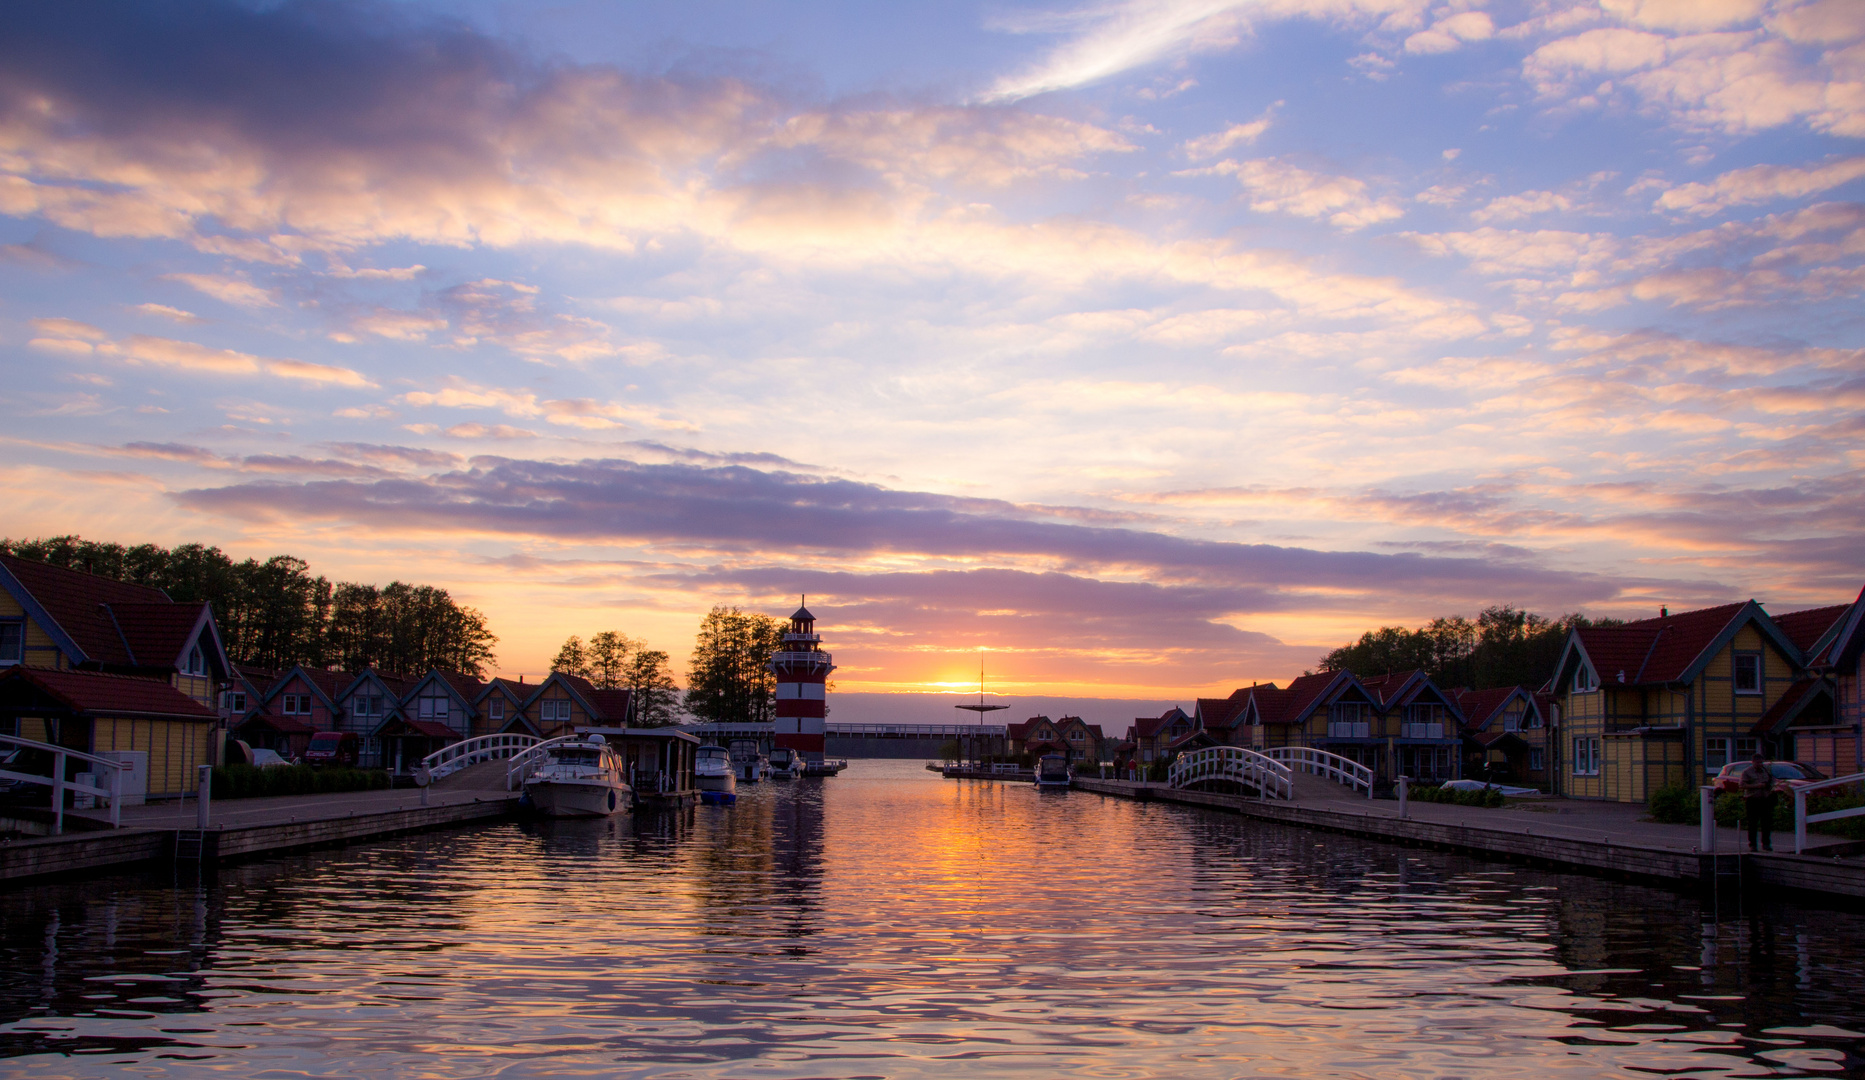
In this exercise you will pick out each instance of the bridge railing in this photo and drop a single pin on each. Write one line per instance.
(1316, 762)
(1240, 765)
(1802, 818)
(536, 752)
(112, 789)
(452, 758)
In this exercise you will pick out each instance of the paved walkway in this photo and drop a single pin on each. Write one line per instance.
(282, 810)
(1569, 819)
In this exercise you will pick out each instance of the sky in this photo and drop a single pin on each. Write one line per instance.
(1138, 349)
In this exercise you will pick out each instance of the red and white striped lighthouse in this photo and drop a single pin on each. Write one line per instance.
(802, 670)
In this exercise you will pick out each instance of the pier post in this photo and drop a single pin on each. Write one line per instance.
(1405, 787)
(203, 795)
(1706, 819)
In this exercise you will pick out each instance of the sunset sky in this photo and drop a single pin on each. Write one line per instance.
(1151, 347)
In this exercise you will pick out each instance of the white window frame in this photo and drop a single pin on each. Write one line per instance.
(1715, 754)
(1537, 759)
(19, 651)
(1586, 680)
(495, 708)
(1586, 755)
(1745, 747)
(1735, 673)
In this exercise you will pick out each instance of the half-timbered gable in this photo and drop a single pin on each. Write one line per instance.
(1818, 720)
(1842, 659)
(501, 708)
(1664, 701)
(562, 703)
(1419, 725)
(1505, 736)
(1150, 735)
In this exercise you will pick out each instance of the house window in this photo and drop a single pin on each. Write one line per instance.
(554, 712)
(433, 708)
(496, 708)
(1585, 682)
(1745, 748)
(1715, 754)
(1531, 721)
(1537, 759)
(1586, 757)
(1074, 736)
(236, 701)
(12, 641)
(1747, 673)
(197, 662)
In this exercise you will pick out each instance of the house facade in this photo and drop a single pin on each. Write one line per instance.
(1505, 736)
(1071, 736)
(1671, 700)
(104, 667)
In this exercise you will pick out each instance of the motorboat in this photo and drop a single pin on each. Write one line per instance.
(582, 778)
(748, 761)
(713, 775)
(1052, 771)
(786, 764)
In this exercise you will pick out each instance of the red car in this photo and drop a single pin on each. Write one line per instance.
(1787, 774)
(332, 748)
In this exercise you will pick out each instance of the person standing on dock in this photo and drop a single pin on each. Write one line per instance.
(1758, 801)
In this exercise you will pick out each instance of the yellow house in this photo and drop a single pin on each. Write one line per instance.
(1671, 700)
(103, 666)
(562, 703)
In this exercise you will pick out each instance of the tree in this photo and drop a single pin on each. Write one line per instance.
(608, 658)
(1505, 646)
(656, 698)
(572, 659)
(729, 679)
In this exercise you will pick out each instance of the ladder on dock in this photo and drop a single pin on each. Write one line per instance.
(194, 846)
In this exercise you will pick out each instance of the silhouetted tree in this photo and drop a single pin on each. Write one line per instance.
(729, 679)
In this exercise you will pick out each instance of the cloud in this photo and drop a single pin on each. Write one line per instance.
(488, 431)
(1210, 146)
(164, 311)
(77, 338)
(1759, 184)
(735, 508)
(1452, 33)
(1278, 187)
(225, 289)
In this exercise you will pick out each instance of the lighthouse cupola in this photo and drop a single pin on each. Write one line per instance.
(802, 669)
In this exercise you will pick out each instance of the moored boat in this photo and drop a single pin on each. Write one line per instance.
(713, 775)
(1052, 771)
(579, 779)
(786, 764)
(748, 761)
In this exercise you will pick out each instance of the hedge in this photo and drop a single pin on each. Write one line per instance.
(1678, 805)
(252, 782)
(1488, 796)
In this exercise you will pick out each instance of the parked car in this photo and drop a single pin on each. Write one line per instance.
(1790, 774)
(332, 748)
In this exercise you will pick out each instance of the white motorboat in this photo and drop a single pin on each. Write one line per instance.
(1052, 771)
(748, 762)
(580, 779)
(786, 764)
(713, 775)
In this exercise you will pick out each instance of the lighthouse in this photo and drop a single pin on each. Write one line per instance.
(802, 669)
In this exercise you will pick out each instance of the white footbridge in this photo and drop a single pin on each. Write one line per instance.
(1271, 773)
(467, 753)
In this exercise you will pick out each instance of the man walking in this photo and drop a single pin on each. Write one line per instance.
(1758, 802)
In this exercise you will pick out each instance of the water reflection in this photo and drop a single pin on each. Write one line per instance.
(889, 923)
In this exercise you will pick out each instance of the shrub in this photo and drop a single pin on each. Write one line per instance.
(1676, 804)
(1486, 797)
(252, 782)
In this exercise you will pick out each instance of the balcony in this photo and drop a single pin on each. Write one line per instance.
(1434, 730)
(1350, 729)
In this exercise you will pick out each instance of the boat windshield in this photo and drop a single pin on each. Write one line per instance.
(569, 756)
(715, 753)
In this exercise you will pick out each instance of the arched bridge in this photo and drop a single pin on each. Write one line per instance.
(1280, 772)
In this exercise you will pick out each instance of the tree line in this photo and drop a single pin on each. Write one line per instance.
(729, 679)
(275, 613)
(1503, 646)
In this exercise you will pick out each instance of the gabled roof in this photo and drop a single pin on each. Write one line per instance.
(1220, 714)
(1848, 639)
(98, 694)
(515, 691)
(284, 725)
(328, 685)
(1146, 727)
(1303, 696)
(1479, 707)
(1800, 696)
(464, 687)
(70, 606)
(1670, 649)
(602, 705)
(1811, 627)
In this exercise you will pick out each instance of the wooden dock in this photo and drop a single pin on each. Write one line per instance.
(1828, 874)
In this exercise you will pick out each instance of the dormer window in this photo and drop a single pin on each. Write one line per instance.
(1585, 681)
(496, 708)
(196, 664)
(12, 641)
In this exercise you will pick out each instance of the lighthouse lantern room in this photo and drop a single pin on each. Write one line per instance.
(802, 669)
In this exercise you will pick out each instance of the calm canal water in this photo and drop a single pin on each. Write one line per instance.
(887, 923)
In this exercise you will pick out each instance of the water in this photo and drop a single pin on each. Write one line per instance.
(887, 923)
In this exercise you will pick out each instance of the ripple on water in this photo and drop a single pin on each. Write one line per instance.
(888, 923)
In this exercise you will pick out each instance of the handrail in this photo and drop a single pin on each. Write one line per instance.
(1238, 764)
(453, 757)
(60, 785)
(517, 763)
(1319, 762)
(1801, 819)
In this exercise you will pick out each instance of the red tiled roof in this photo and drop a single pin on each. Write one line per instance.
(1291, 704)
(285, 725)
(1146, 727)
(1655, 650)
(1385, 688)
(1479, 705)
(156, 632)
(99, 694)
(1805, 628)
(1014, 732)
(1221, 713)
(612, 704)
(1784, 709)
(75, 602)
